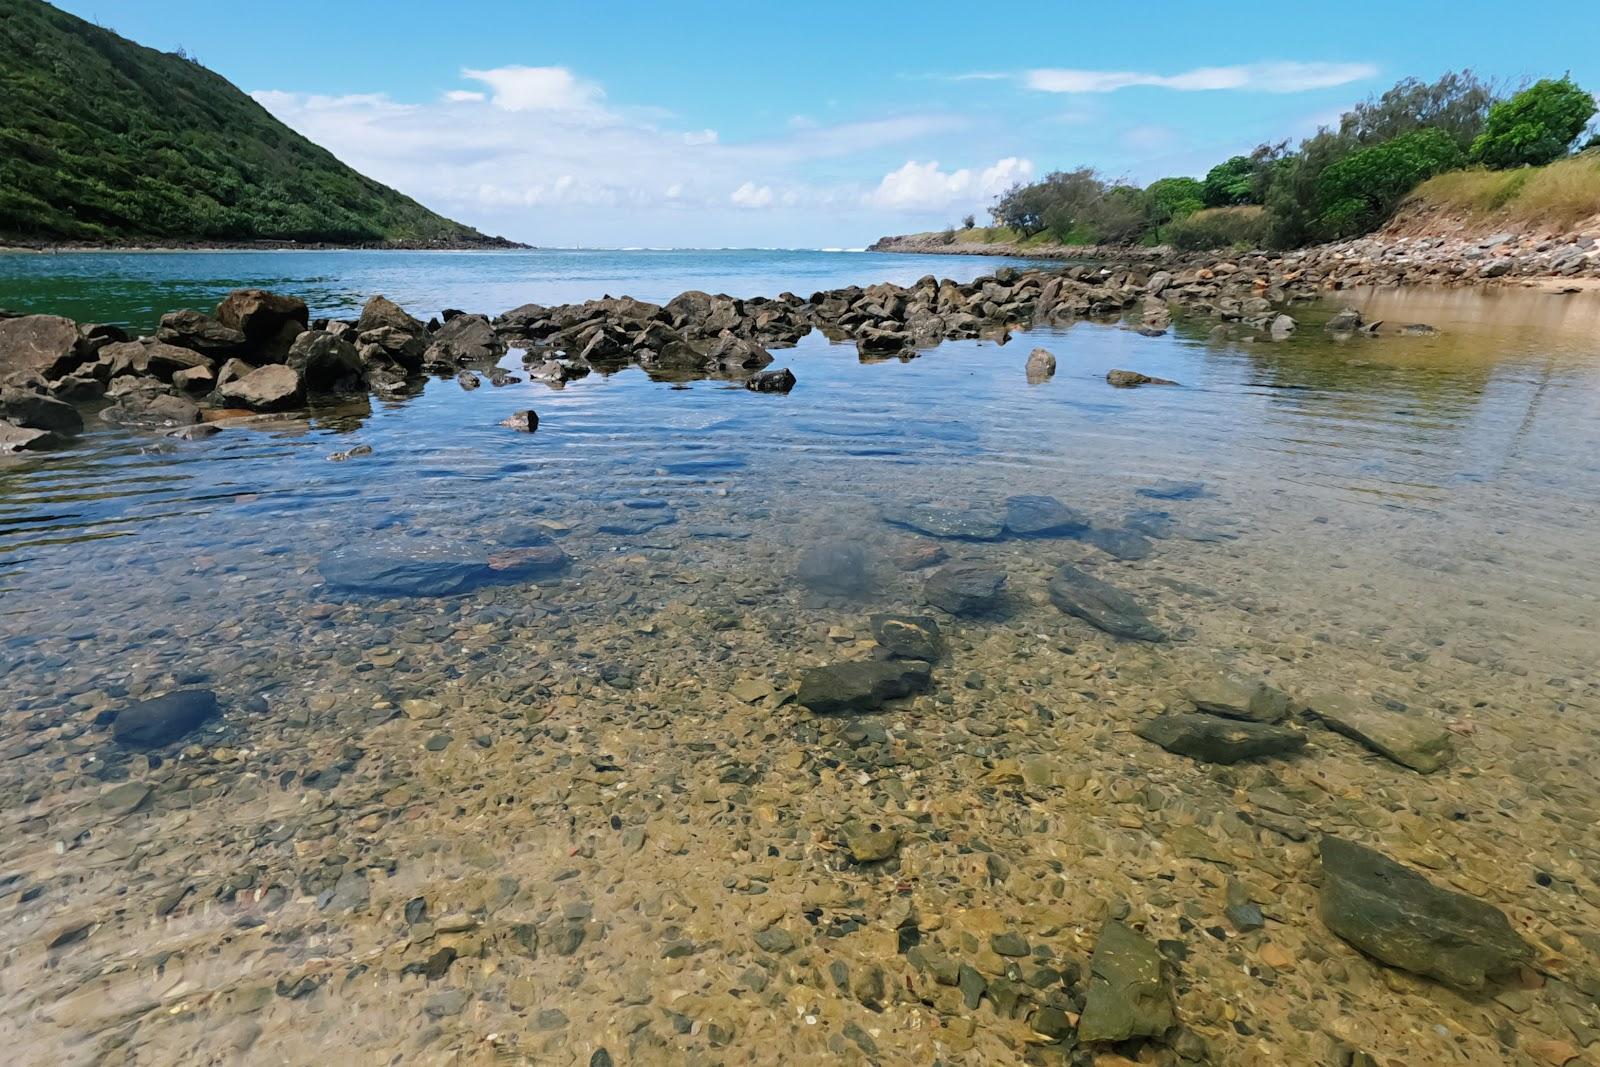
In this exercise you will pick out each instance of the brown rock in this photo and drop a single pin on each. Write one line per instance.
(42, 345)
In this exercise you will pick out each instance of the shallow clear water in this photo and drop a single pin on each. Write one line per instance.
(606, 756)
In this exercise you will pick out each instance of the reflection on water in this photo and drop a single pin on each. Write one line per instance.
(577, 811)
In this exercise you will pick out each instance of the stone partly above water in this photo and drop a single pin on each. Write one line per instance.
(1101, 605)
(1398, 917)
(356, 572)
(1408, 740)
(159, 720)
(908, 636)
(861, 685)
(1129, 379)
(965, 587)
(1130, 993)
(1216, 740)
(955, 523)
(1238, 697)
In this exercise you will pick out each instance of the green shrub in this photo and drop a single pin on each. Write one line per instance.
(1534, 127)
(1356, 194)
(1244, 226)
(1230, 182)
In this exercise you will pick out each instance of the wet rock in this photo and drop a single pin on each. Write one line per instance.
(1101, 605)
(1118, 543)
(861, 685)
(14, 438)
(962, 524)
(356, 572)
(381, 312)
(275, 387)
(1129, 379)
(1395, 915)
(965, 588)
(465, 339)
(1407, 739)
(200, 333)
(445, 1003)
(328, 365)
(908, 636)
(1167, 489)
(1345, 320)
(123, 799)
(557, 371)
(1238, 697)
(1041, 365)
(467, 380)
(153, 411)
(771, 381)
(42, 346)
(870, 845)
(920, 556)
(1418, 329)
(522, 421)
(1130, 992)
(1282, 326)
(1042, 516)
(1211, 739)
(269, 321)
(838, 567)
(35, 411)
(160, 720)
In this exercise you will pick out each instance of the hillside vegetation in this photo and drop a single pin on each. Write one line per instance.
(102, 139)
(1553, 198)
(1482, 149)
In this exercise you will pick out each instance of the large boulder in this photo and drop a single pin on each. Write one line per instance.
(1130, 991)
(964, 524)
(163, 719)
(836, 566)
(861, 685)
(149, 410)
(381, 312)
(44, 346)
(1398, 917)
(270, 322)
(465, 339)
(327, 364)
(387, 343)
(155, 358)
(14, 438)
(1408, 739)
(1101, 605)
(200, 333)
(275, 387)
(35, 411)
(1042, 516)
(965, 587)
(1212, 739)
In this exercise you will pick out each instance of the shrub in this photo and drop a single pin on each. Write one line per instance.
(1534, 127)
(1230, 182)
(968, 222)
(1356, 193)
(1242, 226)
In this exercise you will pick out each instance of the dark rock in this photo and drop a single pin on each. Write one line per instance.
(381, 312)
(1041, 516)
(1118, 543)
(275, 387)
(1238, 697)
(1408, 739)
(837, 567)
(35, 411)
(1398, 917)
(861, 685)
(14, 438)
(1041, 365)
(44, 346)
(328, 365)
(357, 572)
(200, 333)
(269, 322)
(965, 587)
(1172, 490)
(1216, 740)
(467, 380)
(465, 339)
(1345, 320)
(152, 411)
(955, 523)
(1101, 605)
(522, 421)
(771, 381)
(908, 636)
(162, 719)
(1128, 379)
(1130, 991)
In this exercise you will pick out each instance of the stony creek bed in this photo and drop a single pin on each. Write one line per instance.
(935, 711)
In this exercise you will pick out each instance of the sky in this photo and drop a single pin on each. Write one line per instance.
(711, 124)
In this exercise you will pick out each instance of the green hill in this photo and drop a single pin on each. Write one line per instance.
(104, 140)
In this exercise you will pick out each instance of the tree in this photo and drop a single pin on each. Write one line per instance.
(1169, 199)
(1357, 193)
(1458, 103)
(1534, 127)
(1230, 182)
(968, 222)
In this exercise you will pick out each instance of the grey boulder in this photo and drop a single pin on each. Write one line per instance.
(1238, 697)
(1130, 991)
(1101, 605)
(861, 685)
(908, 636)
(1211, 739)
(1409, 740)
(965, 587)
(159, 720)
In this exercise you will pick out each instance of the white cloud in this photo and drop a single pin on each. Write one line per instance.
(694, 137)
(464, 96)
(1284, 77)
(924, 187)
(537, 88)
(751, 195)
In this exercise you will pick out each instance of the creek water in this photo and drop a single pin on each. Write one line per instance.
(582, 811)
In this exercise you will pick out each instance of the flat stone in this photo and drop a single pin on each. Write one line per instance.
(1118, 543)
(965, 587)
(1409, 740)
(1101, 605)
(1169, 489)
(871, 846)
(908, 636)
(838, 567)
(1129, 379)
(1216, 740)
(357, 572)
(124, 798)
(1042, 516)
(861, 685)
(1238, 697)
(14, 438)
(962, 524)
(159, 720)
(1130, 992)
(1398, 917)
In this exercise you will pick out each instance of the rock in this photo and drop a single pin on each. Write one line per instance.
(1398, 917)
(559, 371)
(1496, 268)
(124, 799)
(877, 341)
(358, 572)
(1168, 489)
(269, 322)
(381, 313)
(43, 346)
(954, 523)
(1128, 379)
(468, 381)
(465, 339)
(327, 364)
(522, 421)
(1418, 329)
(908, 636)
(775, 939)
(1211, 739)
(771, 381)
(1041, 365)
(153, 411)
(1158, 283)
(1118, 543)
(200, 333)
(275, 387)
(1407, 739)
(837, 567)
(35, 411)
(868, 845)
(388, 344)
(14, 439)
(1130, 992)
(445, 1003)
(195, 380)
(159, 720)
(1282, 326)
(965, 587)
(1345, 320)
(861, 685)
(1042, 516)
(1238, 697)
(1101, 605)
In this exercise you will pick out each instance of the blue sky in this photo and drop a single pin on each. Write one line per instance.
(816, 125)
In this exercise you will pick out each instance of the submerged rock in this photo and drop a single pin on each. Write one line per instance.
(861, 685)
(1130, 991)
(1128, 379)
(1212, 739)
(837, 566)
(1118, 543)
(1041, 516)
(1409, 740)
(159, 720)
(35, 411)
(965, 587)
(962, 524)
(908, 636)
(1238, 697)
(1398, 917)
(367, 574)
(1101, 605)
(1169, 489)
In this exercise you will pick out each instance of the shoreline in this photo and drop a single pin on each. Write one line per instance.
(11, 246)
